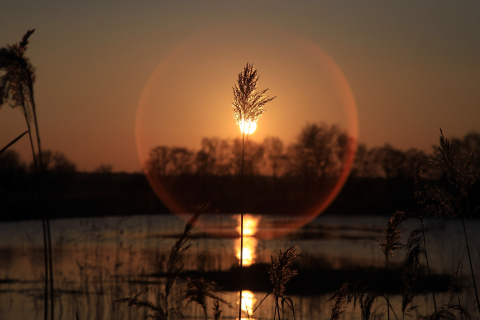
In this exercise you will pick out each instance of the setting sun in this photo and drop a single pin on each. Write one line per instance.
(248, 127)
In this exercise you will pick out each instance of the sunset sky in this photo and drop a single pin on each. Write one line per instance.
(167, 67)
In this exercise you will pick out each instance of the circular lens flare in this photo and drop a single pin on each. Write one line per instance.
(300, 156)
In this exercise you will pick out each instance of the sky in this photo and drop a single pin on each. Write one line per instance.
(116, 77)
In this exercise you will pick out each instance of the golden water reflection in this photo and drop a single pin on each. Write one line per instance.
(250, 224)
(248, 304)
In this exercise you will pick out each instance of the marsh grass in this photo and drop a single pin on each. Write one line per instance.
(280, 273)
(455, 196)
(416, 249)
(451, 198)
(390, 243)
(175, 289)
(17, 77)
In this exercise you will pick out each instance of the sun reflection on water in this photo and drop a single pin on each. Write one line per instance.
(248, 304)
(250, 224)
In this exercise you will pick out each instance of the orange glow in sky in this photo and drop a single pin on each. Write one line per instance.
(189, 95)
(410, 64)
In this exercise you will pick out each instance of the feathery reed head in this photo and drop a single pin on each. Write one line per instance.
(280, 272)
(17, 74)
(217, 310)
(392, 235)
(248, 105)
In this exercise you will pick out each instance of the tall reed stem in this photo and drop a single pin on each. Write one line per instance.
(470, 261)
(45, 243)
(388, 299)
(241, 230)
(13, 141)
(428, 266)
(47, 220)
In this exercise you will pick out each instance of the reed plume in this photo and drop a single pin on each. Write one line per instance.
(455, 198)
(195, 290)
(217, 311)
(356, 292)
(248, 107)
(248, 104)
(391, 242)
(280, 274)
(16, 87)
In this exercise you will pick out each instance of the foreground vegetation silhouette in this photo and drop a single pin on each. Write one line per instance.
(455, 195)
(16, 88)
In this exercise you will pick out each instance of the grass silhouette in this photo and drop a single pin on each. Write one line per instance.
(248, 107)
(16, 87)
(452, 197)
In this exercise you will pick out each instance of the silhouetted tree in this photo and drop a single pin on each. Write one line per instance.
(214, 157)
(468, 144)
(10, 161)
(318, 152)
(56, 162)
(389, 162)
(362, 165)
(181, 161)
(104, 169)
(274, 156)
(253, 157)
(159, 160)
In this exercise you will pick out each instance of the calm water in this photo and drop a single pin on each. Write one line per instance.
(100, 260)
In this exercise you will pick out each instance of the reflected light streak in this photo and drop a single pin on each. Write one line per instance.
(248, 304)
(250, 224)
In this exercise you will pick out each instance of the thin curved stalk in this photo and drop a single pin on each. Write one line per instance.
(49, 238)
(471, 268)
(428, 266)
(388, 300)
(390, 307)
(241, 230)
(45, 243)
(13, 141)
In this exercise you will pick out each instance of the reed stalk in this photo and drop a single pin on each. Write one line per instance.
(248, 107)
(428, 265)
(16, 85)
(13, 142)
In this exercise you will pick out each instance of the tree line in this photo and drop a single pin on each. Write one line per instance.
(318, 151)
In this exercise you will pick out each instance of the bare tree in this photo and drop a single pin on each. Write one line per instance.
(319, 152)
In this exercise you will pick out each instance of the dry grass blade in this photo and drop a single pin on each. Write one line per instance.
(12, 142)
(217, 311)
(198, 290)
(280, 274)
(354, 292)
(452, 200)
(392, 235)
(411, 268)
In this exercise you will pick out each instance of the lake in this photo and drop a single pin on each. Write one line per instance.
(98, 261)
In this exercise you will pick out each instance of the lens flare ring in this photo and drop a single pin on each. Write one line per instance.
(188, 98)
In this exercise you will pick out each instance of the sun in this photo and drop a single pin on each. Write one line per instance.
(248, 127)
